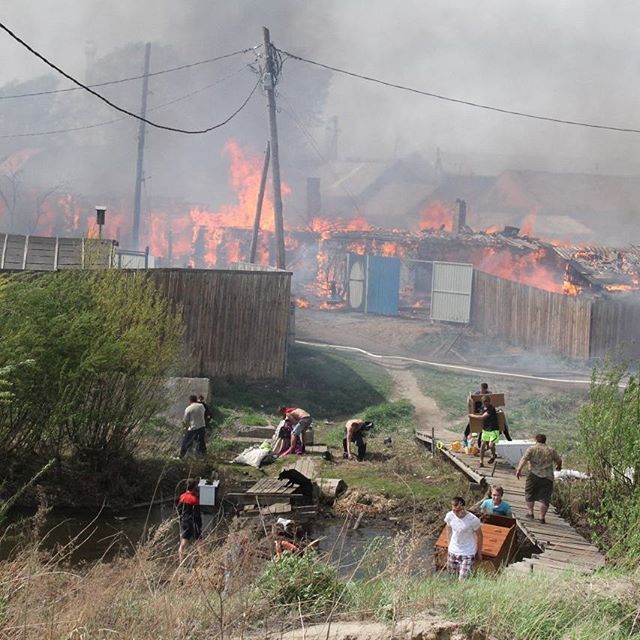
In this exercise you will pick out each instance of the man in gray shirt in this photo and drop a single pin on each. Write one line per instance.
(194, 421)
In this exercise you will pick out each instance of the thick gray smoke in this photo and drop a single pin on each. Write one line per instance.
(570, 60)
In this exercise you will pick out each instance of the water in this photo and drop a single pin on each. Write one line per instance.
(88, 536)
(346, 547)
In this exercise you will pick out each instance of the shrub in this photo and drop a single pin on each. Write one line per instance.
(610, 443)
(87, 352)
(304, 581)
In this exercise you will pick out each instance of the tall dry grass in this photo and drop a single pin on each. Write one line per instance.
(230, 587)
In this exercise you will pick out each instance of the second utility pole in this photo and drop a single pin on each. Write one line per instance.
(135, 236)
(269, 81)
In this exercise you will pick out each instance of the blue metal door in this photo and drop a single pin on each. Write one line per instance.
(382, 285)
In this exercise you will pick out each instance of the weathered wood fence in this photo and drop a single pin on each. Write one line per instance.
(615, 327)
(236, 321)
(530, 317)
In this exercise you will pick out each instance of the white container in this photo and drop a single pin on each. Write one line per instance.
(207, 490)
(514, 450)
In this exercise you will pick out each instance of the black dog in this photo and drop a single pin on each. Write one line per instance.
(296, 478)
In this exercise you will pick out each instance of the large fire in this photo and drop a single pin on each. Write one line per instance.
(197, 235)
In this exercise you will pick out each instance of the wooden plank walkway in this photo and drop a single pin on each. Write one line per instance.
(562, 547)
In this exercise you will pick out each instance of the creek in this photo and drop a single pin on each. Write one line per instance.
(88, 536)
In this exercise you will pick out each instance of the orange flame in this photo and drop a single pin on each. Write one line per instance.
(525, 269)
(437, 215)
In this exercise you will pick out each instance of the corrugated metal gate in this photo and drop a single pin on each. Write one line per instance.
(451, 291)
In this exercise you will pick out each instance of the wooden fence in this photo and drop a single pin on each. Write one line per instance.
(531, 317)
(615, 328)
(236, 321)
(37, 253)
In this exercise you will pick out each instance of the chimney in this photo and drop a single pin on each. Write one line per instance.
(314, 201)
(460, 221)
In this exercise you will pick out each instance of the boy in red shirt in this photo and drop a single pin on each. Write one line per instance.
(190, 517)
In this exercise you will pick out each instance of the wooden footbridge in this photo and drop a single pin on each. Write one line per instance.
(561, 547)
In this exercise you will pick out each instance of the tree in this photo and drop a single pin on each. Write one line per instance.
(88, 352)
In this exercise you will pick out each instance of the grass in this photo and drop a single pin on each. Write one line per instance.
(327, 385)
(229, 588)
(531, 408)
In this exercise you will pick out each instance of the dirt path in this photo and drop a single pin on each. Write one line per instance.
(428, 414)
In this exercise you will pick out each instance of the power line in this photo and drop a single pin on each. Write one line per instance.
(130, 78)
(114, 120)
(121, 109)
(468, 103)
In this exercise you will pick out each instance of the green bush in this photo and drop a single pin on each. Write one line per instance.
(303, 581)
(87, 351)
(610, 443)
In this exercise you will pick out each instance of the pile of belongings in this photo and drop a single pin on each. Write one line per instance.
(256, 455)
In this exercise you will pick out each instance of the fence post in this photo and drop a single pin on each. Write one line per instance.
(433, 442)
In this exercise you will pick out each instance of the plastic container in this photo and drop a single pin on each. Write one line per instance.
(207, 491)
(456, 446)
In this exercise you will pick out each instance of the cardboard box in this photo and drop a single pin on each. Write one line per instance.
(497, 400)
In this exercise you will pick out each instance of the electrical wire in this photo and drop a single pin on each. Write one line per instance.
(114, 120)
(130, 78)
(469, 103)
(121, 109)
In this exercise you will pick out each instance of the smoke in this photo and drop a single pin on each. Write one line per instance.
(568, 60)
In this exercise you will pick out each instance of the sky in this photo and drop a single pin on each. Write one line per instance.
(569, 59)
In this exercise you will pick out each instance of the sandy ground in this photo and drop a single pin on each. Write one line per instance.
(422, 628)
(428, 414)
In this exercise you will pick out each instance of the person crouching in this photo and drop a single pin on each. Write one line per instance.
(355, 432)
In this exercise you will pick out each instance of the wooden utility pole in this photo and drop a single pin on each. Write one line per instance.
(269, 80)
(256, 222)
(135, 236)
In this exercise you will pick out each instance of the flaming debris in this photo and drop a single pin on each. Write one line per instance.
(192, 235)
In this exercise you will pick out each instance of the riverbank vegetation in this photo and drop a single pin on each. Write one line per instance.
(231, 588)
(83, 359)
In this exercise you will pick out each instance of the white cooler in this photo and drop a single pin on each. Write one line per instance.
(514, 450)
(207, 490)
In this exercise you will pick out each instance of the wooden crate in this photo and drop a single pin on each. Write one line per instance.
(498, 542)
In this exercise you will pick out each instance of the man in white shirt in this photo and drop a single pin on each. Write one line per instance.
(194, 421)
(464, 534)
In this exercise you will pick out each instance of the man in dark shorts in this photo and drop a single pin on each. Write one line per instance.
(190, 517)
(542, 460)
(490, 430)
